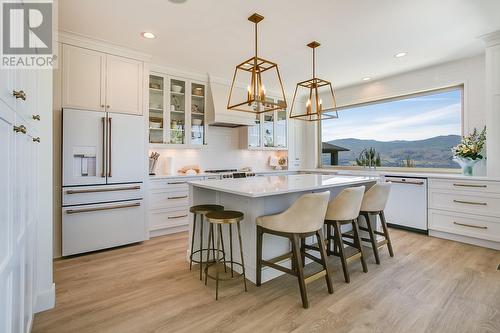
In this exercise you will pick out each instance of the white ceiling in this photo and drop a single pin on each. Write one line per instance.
(359, 37)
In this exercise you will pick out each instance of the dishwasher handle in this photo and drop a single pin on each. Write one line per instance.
(404, 181)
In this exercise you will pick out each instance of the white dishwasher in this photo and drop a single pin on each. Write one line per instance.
(407, 204)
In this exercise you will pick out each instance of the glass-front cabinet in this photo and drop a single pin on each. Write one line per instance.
(176, 111)
(269, 132)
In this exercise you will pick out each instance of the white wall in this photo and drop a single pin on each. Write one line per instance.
(470, 72)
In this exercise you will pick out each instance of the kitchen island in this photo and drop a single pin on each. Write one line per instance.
(264, 195)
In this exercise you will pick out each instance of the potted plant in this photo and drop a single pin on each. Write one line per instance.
(470, 150)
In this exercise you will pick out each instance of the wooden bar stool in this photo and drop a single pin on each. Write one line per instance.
(201, 210)
(303, 219)
(344, 209)
(374, 202)
(220, 218)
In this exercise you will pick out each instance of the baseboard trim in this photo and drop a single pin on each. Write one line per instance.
(402, 227)
(465, 239)
(46, 299)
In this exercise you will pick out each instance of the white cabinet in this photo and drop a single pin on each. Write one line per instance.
(269, 131)
(18, 220)
(296, 153)
(7, 87)
(83, 81)
(124, 86)
(93, 80)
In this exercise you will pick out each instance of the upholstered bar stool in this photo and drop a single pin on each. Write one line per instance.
(303, 219)
(344, 209)
(201, 211)
(374, 202)
(220, 218)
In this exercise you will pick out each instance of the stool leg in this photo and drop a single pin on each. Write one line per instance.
(386, 232)
(300, 270)
(259, 256)
(210, 234)
(241, 255)
(213, 239)
(216, 263)
(231, 248)
(201, 246)
(322, 251)
(373, 239)
(328, 239)
(223, 248)
(340, 245)
(357, 242)
(303, 251)
(192, 243)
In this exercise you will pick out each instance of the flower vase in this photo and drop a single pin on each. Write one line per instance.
(467, 164)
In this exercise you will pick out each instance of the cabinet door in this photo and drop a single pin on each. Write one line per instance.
(198, 123)
(254, 134)
(124, 85)
(26, 80)
(157, 115)
(280, 135)
(177, 114)
(7, 86)
(126, 148)
(268, 130)
(83, 78)
(297, 158)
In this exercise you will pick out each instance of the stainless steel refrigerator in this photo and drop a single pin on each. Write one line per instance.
(103, 170)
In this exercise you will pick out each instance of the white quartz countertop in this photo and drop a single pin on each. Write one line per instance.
(273, 185)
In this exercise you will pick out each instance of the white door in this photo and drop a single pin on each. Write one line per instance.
(26, 81)
(84, 147)
(7, 86)
(83, 81)
(126, 148)
(124, 85)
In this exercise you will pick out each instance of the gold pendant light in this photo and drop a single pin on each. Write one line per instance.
(314, 99)
(259, 73)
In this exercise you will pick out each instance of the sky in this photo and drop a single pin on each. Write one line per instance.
(415, 118)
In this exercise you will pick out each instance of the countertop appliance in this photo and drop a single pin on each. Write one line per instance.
(407, 204)
(231, 173)
(103, 172)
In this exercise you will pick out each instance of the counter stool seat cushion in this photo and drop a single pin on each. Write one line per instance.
(346, 205)
(304, 216)
(376, 197)
(225, 216)
(204, 209)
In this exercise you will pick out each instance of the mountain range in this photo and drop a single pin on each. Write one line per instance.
(434, 152)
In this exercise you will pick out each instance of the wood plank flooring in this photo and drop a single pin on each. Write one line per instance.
(431, 285)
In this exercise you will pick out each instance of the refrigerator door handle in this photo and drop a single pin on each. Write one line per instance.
(109, 148)
(103, 172)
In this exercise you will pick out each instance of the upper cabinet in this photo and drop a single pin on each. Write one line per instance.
(269, 131)
(98, 81)
(177, 114)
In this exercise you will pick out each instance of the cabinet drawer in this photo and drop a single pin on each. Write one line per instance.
(172, 184)
(481, 227)
(166, 199)
(101, 193)
(162, 219)
(482, 204)
(465, 185)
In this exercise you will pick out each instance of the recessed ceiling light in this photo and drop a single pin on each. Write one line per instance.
(148, 35)
(177, 1)
(400, 54)
(367, 78)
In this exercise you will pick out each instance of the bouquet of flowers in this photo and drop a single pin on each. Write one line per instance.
(471, 145)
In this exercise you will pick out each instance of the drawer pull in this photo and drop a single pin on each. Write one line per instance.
(177, 217)
(86, 210)
(176, 183)
(180, 197)
(128, 188)
(470, 202)
(470, 185)
(470, 225)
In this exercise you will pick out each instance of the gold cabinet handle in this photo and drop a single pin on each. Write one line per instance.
(471, 225)
(98, 190)
(107, 106)
(470, 202)
(470, 185)
(36, 117)
(20, 129)
(86, 210)
(37, 139)
(19, 94)
(177, 217)
(180, 197)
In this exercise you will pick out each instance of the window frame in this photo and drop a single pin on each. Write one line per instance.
(460, 87)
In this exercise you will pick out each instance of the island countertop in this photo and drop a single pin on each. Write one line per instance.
(262, 186)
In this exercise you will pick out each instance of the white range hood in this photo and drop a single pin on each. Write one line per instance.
(217, 112)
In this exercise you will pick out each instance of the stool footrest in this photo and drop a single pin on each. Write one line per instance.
(380, 233)
(237, 275)
(280, 258)
(278, 267)
(315, 276)
(313, 258)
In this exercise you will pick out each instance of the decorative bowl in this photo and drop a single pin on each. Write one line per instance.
(176, 88)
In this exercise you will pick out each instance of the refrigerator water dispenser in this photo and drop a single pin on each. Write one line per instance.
(84, 161)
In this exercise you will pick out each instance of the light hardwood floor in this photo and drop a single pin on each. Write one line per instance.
(431, 285)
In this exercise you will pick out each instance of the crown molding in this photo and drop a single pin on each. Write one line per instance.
(75, 39)
(491, 39)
